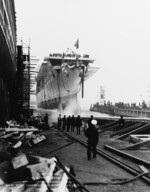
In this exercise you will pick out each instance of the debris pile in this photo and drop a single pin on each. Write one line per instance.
(19, 136)
(32, 173)
(20, 172)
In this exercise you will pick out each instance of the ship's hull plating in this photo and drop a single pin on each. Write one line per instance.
(60, 89)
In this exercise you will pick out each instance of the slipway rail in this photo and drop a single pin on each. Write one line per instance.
(142, 128)
(126, 155)
(114, 160)
(127, 129)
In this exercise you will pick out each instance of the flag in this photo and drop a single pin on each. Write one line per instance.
(77, 44)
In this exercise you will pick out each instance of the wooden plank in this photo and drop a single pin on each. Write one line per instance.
(16, 187)
(38, 168)
(37, 159)
(17, 145)
(20, 129)
(9, 135)
(134, 139)
(127, 155)
(19, 161)
(18, 137)
(143, 169)
(38, 139)
(59, 181)
(29, 135)
(124, 130)
(109, 128)
(138, 138)
(4, 188)
(137, 145)
(107, 125)
(134, 131)
(50, 163)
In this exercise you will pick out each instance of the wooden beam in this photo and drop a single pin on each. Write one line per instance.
(137, 145)
(127, 129)
(134, 131)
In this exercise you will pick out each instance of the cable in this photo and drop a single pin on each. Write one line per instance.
(116, 183)
(58, 148)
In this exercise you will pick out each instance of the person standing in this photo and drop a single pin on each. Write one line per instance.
(85, 124)
(78, 124)
(68, 123)
(64, 122)
(72, 123)
(92, 134)
(121, 122)
(59, 122)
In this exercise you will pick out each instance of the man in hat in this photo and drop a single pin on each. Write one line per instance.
(92, 134)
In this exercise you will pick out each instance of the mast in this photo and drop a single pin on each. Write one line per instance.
(82, 82)
(102, 95)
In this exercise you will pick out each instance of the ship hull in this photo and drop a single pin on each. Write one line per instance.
(54, 103)
(60, 79)
(60, 90)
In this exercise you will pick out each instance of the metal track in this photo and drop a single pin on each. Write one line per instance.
(112, 159)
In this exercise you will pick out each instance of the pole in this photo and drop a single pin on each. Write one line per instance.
(59, 100)
(82, 81)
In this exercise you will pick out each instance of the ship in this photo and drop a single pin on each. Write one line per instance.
(102, 106)
(60, 79)
(7, 59)
(120, 108)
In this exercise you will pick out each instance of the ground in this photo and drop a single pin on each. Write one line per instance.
(96, 170)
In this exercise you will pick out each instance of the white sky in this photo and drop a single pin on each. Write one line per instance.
(116, 33)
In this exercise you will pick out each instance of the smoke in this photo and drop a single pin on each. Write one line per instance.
(72, 108)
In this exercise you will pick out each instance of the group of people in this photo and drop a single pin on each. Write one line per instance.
(91, 132)
(70, 123)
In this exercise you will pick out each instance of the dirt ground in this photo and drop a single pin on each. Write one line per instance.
(96, 170)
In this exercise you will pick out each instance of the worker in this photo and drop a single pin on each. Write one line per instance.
(59, 122)
(121, 122)
(78, 124)
(92, 134)
(68, 123)
(64, 122)
(72, 123)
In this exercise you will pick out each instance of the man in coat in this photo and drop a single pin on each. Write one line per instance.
(92, 134)
(59, 121)
(78, 124)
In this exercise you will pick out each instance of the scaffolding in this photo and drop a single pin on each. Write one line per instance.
(25, 81)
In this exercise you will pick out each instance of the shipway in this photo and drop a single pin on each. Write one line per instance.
(60, 79)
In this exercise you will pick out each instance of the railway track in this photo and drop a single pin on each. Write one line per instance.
(130, 169)
(120, 160)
